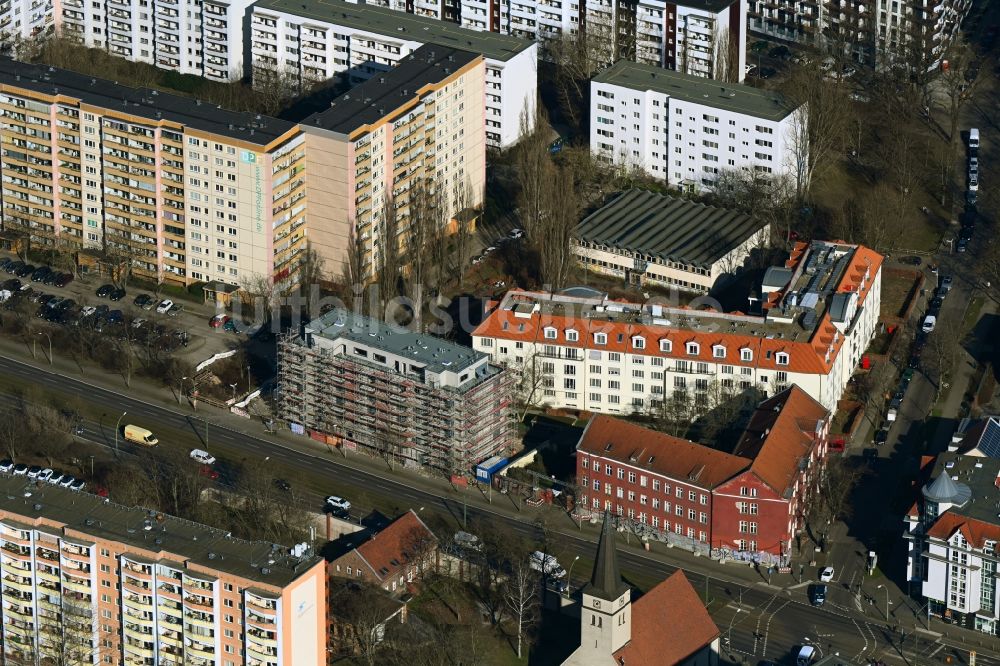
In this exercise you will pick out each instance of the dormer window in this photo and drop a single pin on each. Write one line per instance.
(550, 333)
(600, 338)
(693, 348)
(666, 345)
(781, 358)
(572, 335)
(746, 355)
(718, 351)
(638, 342)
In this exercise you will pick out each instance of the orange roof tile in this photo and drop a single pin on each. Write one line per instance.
(394, 546)
(659, 452)
(779, 434)
(669, 624)
(976, 532)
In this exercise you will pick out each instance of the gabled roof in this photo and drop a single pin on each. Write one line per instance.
(396, 545)
(976, 532)
(984, 438)
(659, 452)
(780, 433)
(606, 581)
(669, 624)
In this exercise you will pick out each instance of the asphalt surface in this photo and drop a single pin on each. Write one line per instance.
(758, 621)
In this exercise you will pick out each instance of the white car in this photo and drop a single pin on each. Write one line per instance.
(517, 233)
(138, 323)
(67, 481)
(489, 249)
(7, 466)
(164, 306)
(87, 310)
(928, 324)
(204, 457)
(973, 182)
(477, 260)
(56, 478)
(338, 504)
(826, 575)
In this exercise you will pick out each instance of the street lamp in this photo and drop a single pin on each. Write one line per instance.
(233, 386)
(118, 425)
(50, 345)
(883, 587)
(181, 392)
(569, 577)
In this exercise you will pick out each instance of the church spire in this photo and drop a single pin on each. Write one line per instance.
(606, 581)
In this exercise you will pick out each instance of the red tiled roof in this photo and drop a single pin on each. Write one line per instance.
(396, 542)
(780, 433)
(976, 532)
(659, 452)
(669, 624)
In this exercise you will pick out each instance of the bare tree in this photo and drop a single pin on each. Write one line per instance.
(956, 86)
(358, 615)
(464, 214)
(561, 213)
(578, 57)
(312, 273)
(520, 594)
(388, 253)
(423, 215)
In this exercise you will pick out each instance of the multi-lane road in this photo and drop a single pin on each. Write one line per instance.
(758, 621)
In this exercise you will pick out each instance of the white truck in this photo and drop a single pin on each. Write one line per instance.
(546, 564)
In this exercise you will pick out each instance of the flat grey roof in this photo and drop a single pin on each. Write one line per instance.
(144, 102)
(979, 474)
(383, 93)
(714, 6)
(400, 25)
(435, 354)
(676, 229)
(735, 97)
(101, 518)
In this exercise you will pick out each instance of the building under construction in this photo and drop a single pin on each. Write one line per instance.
(407, 397)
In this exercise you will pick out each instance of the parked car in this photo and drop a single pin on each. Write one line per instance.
(230, 325)
(218, 320)
(79, 484)
(117, 294)
(282, 485)
(204, 457)
(34, 471)
(63, 279)
(881, 437)
(207, 471)
(807, 652)
(817, 594)
(175, 310)
(338, 504)
(826, 574)
(20, 469)
(40, 273)
(164, 306)
(945, 283)
(115, 316)
(67, 481)
(5, 262)
(516, 233)
(141, 300)
(973, 187)
(56, 478)
(963, 245)
(6, 466)
(13, 267)
(45, 474)
(930, 321)
(105, 290)
(467, 541)
(910, 260)
(87, 311)
(546, 564)
(24, 271)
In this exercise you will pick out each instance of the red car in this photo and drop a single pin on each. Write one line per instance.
(218, 320)
(206, 470)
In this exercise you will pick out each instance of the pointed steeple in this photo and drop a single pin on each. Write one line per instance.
(606, 581)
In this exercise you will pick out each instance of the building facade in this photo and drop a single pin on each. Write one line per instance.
(414, 131)
(685, 130)
(915, 33)
(750, 504)
(319, 41)
(190, 36)
(952, 556)
(86, 581)
(410, 398)
(601, 355)
(644, 237)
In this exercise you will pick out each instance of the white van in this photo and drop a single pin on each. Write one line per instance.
(930, 321)
(805, 656)
(204, 457)
(547, 564)
(973, 138)
(467, 541)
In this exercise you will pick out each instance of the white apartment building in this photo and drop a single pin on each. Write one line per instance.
(22, 19)
(321, 39)
(685, 129)
(198, 37)
(952, 535)
(596, 354)
(87, 581)
(644, 237)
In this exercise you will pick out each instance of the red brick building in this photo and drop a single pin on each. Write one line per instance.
(391, 558)
(751, 501)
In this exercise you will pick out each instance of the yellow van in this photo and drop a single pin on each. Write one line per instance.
(140, 436)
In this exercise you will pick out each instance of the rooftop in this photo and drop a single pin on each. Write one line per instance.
(715, 6)
(734, 97)
(400, 25)
(979, 477)
(383, 94)
(669, 625)
(606, 580)
(406, 539)
(174, 538)
(153, 105)
(433, 353)
(675, 229)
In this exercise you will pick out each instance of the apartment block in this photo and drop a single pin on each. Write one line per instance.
(952, 531)
(643, 237)
(749, 503)
(87, 581)
(177, 190)
(416, 128)
(25, 19)
(188, 36)
(913, 32)
(818, 314)
(410, 398)
(685, 130)
(323, 39)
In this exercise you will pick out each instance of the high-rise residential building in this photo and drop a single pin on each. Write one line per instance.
(86, 581)
(316, 41)
(415, 130)
(644, 237)
(188, 36)
(915, 33)
(952, 534)
(814, 319)
(686, 130)
(410, 398)
(26, 19)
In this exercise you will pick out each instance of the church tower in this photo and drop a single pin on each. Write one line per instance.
(606, 610)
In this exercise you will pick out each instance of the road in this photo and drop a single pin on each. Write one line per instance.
(758, 621)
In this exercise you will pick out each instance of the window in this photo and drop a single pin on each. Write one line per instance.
(600, 338)
(639, 342)
(665, 345)
(718, 351)
(781, 358)
(550, 333)
(572, 335)
(746, 355)
(692, 348)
